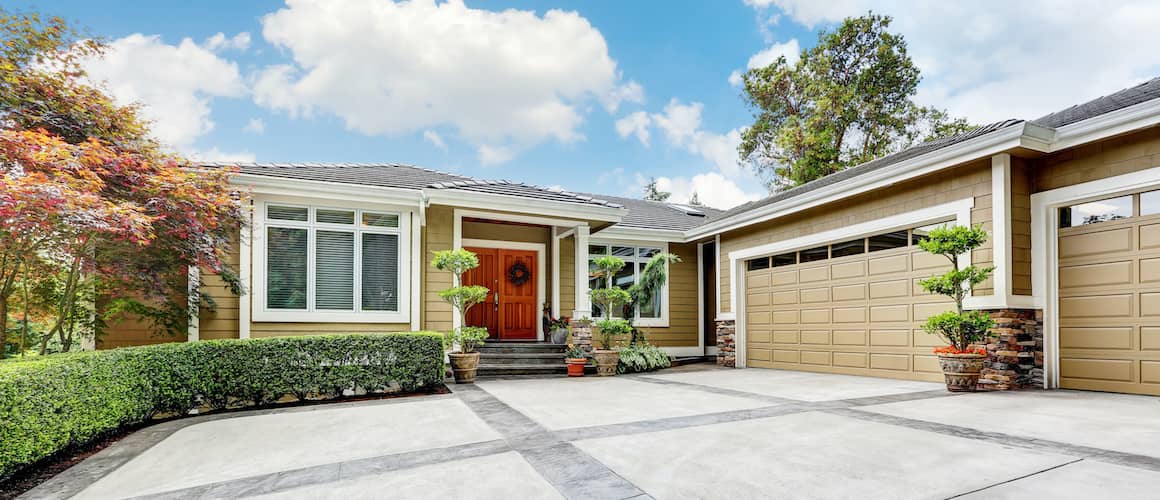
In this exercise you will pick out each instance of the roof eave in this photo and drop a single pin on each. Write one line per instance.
(519, 204)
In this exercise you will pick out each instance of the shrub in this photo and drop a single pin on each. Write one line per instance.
(611, 331)
(52, 403)
(642, 357)
(957, 328)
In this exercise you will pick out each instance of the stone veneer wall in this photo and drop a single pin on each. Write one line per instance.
(1014, 350)
(726, 346)
(582, 334)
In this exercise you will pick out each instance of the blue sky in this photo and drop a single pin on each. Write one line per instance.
(596, 96)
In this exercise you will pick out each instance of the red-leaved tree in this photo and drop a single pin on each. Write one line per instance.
(88, 198)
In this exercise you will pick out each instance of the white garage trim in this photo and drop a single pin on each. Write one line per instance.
(959, 210)
(1045, 235)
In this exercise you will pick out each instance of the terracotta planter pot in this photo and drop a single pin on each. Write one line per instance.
(576, 366)
(961, 371)
(464, 366)
(606, 362)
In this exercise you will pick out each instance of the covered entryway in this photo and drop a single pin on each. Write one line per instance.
(1109, 295)
(852, 307)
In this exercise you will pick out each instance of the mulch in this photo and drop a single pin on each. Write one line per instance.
(35, 474)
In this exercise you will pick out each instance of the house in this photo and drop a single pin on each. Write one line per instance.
(821, 277)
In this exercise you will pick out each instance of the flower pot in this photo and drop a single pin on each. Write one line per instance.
(559, 336)
(961, 370)
(606, 361)
(576, 366)
(464, 365)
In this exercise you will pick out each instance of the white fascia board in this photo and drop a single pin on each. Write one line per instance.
(641, 234)
(1145, 114)
(260, 184)
(488, 201)
(979, 147)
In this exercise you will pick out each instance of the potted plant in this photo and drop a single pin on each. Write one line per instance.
(558, 329)
(961, 360)
(610, 329)
(463, 340)
(577, 359)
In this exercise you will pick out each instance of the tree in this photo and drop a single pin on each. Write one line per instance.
(651, 192)
(845, 101)
(462, 298)
(957, 328)
(695, 200)
(89, 199)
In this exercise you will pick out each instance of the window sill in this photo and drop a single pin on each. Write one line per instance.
(329, 317)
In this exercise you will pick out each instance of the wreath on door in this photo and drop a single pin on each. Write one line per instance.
(518, 274)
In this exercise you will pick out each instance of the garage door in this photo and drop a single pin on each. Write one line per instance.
(853, 307)
(1109, 295)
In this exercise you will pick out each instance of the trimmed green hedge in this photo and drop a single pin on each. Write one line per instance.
(51, 403)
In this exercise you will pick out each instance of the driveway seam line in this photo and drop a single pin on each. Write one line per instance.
(1133, 460)
(1025, 476)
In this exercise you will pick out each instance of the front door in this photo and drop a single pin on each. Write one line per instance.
(510, 311)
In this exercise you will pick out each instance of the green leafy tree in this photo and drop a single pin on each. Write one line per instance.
(609, 298)
(957, 328)
(845, 101)
(651, 192)
(462, 298)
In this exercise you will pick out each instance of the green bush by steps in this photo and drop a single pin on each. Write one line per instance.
(49, 404)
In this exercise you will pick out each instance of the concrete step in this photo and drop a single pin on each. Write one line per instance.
(522, 347)
(521, 358)
(490, 370)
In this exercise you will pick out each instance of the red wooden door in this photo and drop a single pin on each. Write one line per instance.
(511, 309)
(518, 305)
(487, 274)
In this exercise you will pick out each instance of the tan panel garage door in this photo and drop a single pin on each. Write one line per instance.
(857, 315)
(1109, 306)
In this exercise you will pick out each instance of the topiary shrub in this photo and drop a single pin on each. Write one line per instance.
(52, 403)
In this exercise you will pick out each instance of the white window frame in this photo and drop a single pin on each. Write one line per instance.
(261, 313)
(663, 320)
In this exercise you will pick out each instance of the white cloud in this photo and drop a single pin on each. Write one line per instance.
(712, 188)
(215, 154)
(791, 50)
(435, 139)
(615, 176)
(634, 124)
(503, 80)
(174, 83)
(255, 126)
(240, 41)
(682, 128)
(1010, 59)
(494, 155)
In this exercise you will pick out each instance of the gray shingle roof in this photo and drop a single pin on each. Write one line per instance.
(1119, 100)
(407, 177)
(869, 166)
(659, 215)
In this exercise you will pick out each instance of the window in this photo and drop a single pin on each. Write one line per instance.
(847, 248)
(815, 254)
(1095, 212)
(635, 259)
(888, 241)
(785, 259)
(331, 260)
(759, 264)
(1150, 203)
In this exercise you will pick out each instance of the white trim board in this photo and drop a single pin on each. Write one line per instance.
(959, 210)
(1045, 235)
(540, 250)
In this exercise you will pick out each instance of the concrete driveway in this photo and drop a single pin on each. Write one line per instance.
(684, 433)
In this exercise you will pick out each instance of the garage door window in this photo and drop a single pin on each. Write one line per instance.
(785, 259)
(1095, 212)
(848, 248)
(1150, 203)
(815, 254)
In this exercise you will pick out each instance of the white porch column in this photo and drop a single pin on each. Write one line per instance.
(583, 304)
(555, 272)
(1001, 224)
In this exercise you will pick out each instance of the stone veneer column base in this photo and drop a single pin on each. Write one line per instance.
(1014, 350)
(582, 335)
(726, 346)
